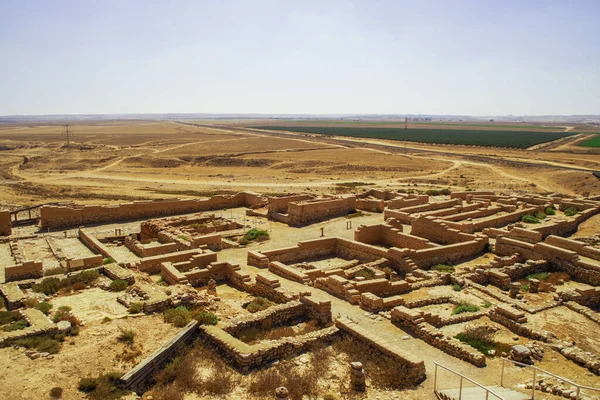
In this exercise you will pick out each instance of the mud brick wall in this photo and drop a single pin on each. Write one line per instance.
(142, 250)
(373, 205)
(578, 204)
(93, 244)
(500, 220)
(53, 217)
(78, 264)
(387, 235)
(351, 250)
(289, 272)
(575, 245)
(302, 251)
(564, 228)
(410, 201)
(5, 226)
(272, 316)
(219, 271)
(463, 195)
(432, 206)
(138, 377)
(280, 204)
(308, 212)
(151, 265)
(478, 213)
(440, 255)
(413, 367)
(12, 295)
(438, 231)
(213, 242)
(518, 328)
(27, 270)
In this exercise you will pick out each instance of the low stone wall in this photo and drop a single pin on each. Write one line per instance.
(27, 270)
(311, 211)
(93, 244)
(144, 250)
(213, 241)
(77, 264)
(5, 225)
(151, 265)
(413, 366)
(114, 271)
(12, 295)
(413, 319)
(280, 204)
(137, 378)
(39, 325)
(53, 217)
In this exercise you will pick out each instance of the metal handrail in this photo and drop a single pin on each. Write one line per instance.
(535, 369)
(487, 390)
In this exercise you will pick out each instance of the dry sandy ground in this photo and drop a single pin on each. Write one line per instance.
(94, 351)
(119, 161)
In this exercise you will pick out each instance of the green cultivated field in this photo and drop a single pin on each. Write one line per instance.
(515, 139)
(593, 142)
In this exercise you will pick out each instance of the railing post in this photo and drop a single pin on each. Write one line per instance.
(502, 374)
(460, 388)
(533, 385)
(435, 379)
(577, 396)
(487, 393)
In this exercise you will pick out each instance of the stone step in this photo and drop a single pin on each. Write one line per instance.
(478, 393)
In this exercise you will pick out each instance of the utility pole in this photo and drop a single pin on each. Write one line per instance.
(68, 134)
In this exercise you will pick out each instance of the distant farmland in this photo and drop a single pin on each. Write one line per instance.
(593, 142)
(470, 137)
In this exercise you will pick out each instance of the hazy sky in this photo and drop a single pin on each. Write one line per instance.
(477, 57)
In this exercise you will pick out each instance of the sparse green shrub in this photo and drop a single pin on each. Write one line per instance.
(87, 385)
(256, 234)
(364, 273)
(7, 317)
(40, 343)
(47, 286)
(541, 276)
(446, 192)
(481, 337)
(258, 304)
(16, 326)
(106, 320)
(108, 260)
(118, 284)
(549, 211)
(54, 271)
(464, 308)
(243, 241)
(525, 287)
(183, 237)
(530, 219)
(179, 316)
(456, 287)
(569, 212)
(206, 318)
(443, 268)
(540, 215)
(79, 286)
(61, 314)
(126, 336)
(487, 304)
(86, 277)
(135, 308)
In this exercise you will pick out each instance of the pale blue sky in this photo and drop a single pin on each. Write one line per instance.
(477, 57)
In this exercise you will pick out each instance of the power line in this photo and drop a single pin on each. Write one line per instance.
(69, 134)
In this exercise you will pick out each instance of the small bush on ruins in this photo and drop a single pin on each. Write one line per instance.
(126, 336)
(64, 314)
(364, 273)
(47, 286)
(569, 212)
(183, 237)
(54, 271)
(8, 317)
(135, 308)
(106, 320)
(443, 268)
(481, 337)
(206, 318)
(243, 241)
(456, 287)
(542, 276)
(102, 388)
(86, 277)
(118, 284)
(525, 287)
(87, 385)
(487, 304)
(464, 308)
(540, 215)
(108, 260)
(258, 304)
(16, 326)
(435, 192)
(178, 317)
(256, 234)
(79, 286)
(41, 344)
(530, 219)
(549, 211)
(56, 392)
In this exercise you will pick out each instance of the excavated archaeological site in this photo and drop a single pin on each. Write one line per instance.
(375, 295)
(181, 260)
